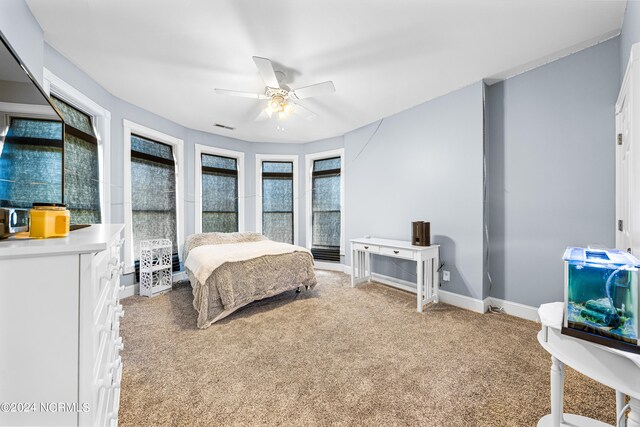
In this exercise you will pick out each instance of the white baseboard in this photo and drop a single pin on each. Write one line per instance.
(515, 309)
(130, 291)
(462, 301)
(468, 303)
(134, 289)
(332, 266)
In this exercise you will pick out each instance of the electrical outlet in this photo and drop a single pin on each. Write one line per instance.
(446, 275)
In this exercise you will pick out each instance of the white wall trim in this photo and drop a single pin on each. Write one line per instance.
(309, 158)
(331, 266)
(462, 301)
(239, 155)
(514, 309)
(54, 85)
(468, 303)
(277, 158)
(178, 145)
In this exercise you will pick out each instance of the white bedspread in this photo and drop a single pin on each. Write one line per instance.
(203, 260)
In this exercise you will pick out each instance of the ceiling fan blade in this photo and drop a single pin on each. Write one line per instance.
(304, 112)
(265, 67)
(318, 89)
(242, 94)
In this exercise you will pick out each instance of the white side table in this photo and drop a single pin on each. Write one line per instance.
(613, 368)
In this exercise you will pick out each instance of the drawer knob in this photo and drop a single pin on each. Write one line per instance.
(396, 252)
(366, 247)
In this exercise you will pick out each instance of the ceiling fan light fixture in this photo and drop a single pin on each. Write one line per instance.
(274, 104)
(288, 109)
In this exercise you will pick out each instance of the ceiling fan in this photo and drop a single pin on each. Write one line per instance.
(281, 98)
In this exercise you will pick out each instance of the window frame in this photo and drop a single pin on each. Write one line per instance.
(293, 158)
(178, 150)
(201, 149)
(101, 121)
(309, 159)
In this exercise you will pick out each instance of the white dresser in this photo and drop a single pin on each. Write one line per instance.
(59, 329)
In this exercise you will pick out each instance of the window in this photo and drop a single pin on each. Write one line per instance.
(82, 165)
(325, 211)
(153, 186)
(31, 152)
(81, 113)
(219, 193)
(153, 192)
(277, 200)
(219, 179)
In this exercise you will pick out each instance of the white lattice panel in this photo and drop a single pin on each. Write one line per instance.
(155, 266)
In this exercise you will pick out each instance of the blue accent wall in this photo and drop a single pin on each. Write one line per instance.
(630, 33)
(550, 170)
(424, 163)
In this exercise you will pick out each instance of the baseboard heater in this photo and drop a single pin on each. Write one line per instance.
(326, 254)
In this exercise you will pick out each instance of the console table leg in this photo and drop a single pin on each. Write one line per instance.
(353, 268)
(557, 391)
(420, 281)
(634, 414)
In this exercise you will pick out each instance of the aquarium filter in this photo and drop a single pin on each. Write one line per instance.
(601, 297)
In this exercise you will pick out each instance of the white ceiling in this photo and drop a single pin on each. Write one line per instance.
(167, 56)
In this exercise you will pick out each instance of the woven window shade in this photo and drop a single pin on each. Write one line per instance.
(219, 194)
(31, 163)
(277, 201)
(326, 204)
(153, 192)
(82, 166)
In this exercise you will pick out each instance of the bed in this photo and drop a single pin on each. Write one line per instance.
(230, 270)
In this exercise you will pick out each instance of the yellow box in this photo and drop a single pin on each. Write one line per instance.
(48, 221)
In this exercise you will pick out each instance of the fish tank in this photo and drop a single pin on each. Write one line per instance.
(601, 297)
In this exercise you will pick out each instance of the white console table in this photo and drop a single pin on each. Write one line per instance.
(427, 259)
(613, 368)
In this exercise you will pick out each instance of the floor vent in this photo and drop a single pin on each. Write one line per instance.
(224, 126)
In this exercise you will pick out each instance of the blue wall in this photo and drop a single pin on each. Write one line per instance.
(630, 33)
(551, 170)
(424, 163)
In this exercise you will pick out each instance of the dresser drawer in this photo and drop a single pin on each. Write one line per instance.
(398, 253)
(367, 248)
(109, 349)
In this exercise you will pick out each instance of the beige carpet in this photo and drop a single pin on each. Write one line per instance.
(339, 356)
